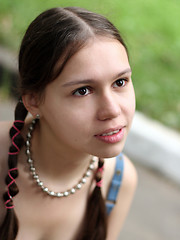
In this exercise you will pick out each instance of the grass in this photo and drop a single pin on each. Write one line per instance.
(151, 30)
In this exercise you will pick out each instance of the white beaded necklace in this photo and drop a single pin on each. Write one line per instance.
(36, 177)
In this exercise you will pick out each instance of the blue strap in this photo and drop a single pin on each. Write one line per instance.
(115, 184)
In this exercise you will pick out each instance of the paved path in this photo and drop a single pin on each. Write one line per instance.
(155, 213)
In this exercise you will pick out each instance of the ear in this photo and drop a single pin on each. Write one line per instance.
(31, 103)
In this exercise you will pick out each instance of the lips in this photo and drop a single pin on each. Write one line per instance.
(111, 135)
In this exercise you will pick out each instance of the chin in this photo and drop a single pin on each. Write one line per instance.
(109, 152)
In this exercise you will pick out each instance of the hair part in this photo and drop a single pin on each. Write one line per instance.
(57, 34)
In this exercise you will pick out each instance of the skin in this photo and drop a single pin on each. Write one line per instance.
(93, 95)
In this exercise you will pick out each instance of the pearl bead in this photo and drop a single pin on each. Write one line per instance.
(40, 183)
(30, 160)
(73, 190)
(83, 180)
(31, 127)
(59, 194)
(78, 186)
(35, 176)
(93, 159)
(66, 193)
(29, 135)
(52, 193)
(32, 169)
(28, 152)
(88, 173)
(91, 166)
(45, 189)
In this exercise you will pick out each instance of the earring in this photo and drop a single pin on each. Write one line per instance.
(20, 100)
(37, 116)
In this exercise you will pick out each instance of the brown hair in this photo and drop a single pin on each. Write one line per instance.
(57, 33)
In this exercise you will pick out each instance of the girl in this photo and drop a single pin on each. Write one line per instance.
(73, 182)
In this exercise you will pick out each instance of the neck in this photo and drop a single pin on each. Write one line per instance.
(56, 162)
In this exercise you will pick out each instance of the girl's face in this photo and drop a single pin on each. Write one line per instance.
(90, 106)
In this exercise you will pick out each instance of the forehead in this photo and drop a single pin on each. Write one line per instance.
(98, 57)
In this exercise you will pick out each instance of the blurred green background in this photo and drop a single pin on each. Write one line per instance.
(151, 30)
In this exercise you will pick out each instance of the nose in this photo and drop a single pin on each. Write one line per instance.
(108, 107)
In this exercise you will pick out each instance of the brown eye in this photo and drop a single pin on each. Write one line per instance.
(81, 91)
(120, 82)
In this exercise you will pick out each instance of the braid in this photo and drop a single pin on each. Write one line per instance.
(9, 227)
(96, 220)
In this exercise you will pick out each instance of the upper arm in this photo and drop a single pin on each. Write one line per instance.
(4, 140)
(124, 199)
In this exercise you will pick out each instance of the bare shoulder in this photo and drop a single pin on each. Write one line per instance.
(4, 143)
(4, 139)
(124, 200)
(130, 174)
(4, 146)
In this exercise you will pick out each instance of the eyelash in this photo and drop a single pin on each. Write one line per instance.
(84, 93)
(124, 80)
(81, 89)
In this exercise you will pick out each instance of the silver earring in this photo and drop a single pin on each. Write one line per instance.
(20, 100)
(37, 116)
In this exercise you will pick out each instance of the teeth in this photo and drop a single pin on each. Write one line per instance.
(110, 133)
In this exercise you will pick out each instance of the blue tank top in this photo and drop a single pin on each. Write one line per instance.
(115, 183)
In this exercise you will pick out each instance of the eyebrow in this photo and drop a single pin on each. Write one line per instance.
(90, 81)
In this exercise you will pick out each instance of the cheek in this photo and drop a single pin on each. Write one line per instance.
(70, 115)
(130, 105)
